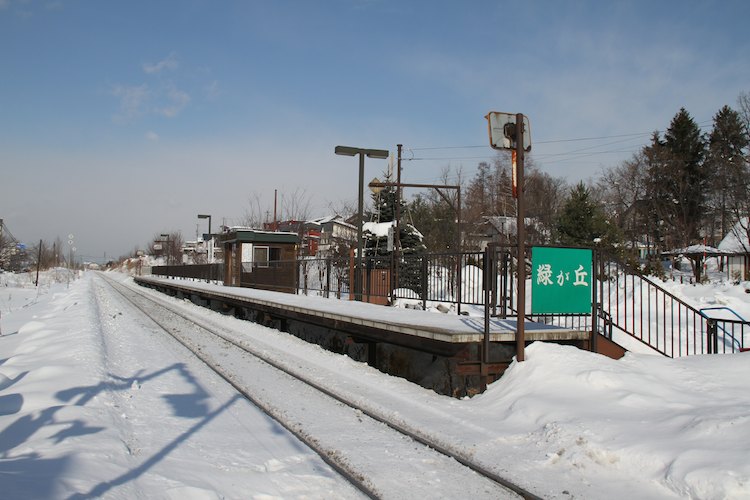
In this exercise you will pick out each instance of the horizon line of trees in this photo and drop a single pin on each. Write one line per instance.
(683, 187)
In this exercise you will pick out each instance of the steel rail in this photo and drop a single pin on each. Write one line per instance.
(353, 477)
(415, 435)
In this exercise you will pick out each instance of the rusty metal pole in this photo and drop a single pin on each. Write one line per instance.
(521, 236)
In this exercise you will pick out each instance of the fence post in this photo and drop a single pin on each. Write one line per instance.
(328, 278)
(595, 303)
(368, 275)
(712, 332)
(487, 294)
(424, 282)
(493, 284)
(459, 279)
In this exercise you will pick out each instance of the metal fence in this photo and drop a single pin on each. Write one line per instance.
(640, 307)
(208, 272)
(624, 300)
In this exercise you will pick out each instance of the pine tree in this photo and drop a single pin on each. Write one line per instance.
(728, 168)
(677, 186)
(689, 178)
(411, 244)
(659, 215)
(582, 222)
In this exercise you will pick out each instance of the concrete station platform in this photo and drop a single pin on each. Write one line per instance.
(449, 328)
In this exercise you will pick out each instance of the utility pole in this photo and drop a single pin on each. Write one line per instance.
(509, 132)
(275, 200)
(397, 232)
(38, 263)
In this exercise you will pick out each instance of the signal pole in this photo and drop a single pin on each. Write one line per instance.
(521, 236)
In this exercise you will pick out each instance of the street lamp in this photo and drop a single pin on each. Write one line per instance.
(362, 152)
(210, 238)
(167, 237)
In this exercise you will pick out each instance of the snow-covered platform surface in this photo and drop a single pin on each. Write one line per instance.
(450, 328)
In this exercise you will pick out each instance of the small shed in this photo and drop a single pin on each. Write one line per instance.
(260, 259)
(697, 255)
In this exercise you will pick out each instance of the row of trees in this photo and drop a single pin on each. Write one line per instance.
(682, 188)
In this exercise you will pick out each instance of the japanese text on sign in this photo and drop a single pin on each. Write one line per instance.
(544, 274)
(561, 280)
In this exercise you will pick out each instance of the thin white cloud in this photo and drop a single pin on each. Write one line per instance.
(177, 98)
(152, 136)
(132, 99)
(169, 63)
(213, 91)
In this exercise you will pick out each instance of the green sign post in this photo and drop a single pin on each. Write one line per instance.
(561, 280)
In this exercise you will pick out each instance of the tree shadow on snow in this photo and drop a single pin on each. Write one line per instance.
(38, 476)
(157, 457)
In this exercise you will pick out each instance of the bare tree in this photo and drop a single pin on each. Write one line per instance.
(624, 196)
(255, 213)
(168, 248)
(345, 208)
(545, 196)
(295, 206)
(743, 103)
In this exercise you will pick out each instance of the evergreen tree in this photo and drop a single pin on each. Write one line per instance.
(659, 215)
(677, 183)
(412, 247)
(728, 169)
(582, 222)
(688, 178)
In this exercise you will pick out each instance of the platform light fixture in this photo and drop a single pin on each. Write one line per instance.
(209, 256)
(370, 153)
(167, 237)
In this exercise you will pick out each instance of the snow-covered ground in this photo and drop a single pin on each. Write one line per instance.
(95, 403)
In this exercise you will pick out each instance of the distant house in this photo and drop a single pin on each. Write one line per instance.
(736, 246)
(201, 251)
(503, 229)
(318, 237)
(333, 231)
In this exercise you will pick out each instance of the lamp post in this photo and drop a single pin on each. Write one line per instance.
(167, 249)
(209, 246)
(437, 187)
(362, 152)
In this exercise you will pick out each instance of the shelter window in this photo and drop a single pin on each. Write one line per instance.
(266, 256)
(260, 256)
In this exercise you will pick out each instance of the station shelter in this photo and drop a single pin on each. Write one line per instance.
(260, 259)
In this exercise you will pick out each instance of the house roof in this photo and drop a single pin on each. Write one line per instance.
(695, 250)
(736, 240)
(247, 235)
(330, 218)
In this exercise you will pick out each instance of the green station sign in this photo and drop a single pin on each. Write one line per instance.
(561, 280)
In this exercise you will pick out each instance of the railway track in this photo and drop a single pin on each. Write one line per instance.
(426, 466)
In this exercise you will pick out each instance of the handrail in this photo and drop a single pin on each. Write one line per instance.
(742, 321)
(720, 308)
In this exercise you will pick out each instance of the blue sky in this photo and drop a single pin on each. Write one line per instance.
(122, 120)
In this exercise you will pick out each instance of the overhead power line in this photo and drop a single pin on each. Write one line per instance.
(558, 141)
